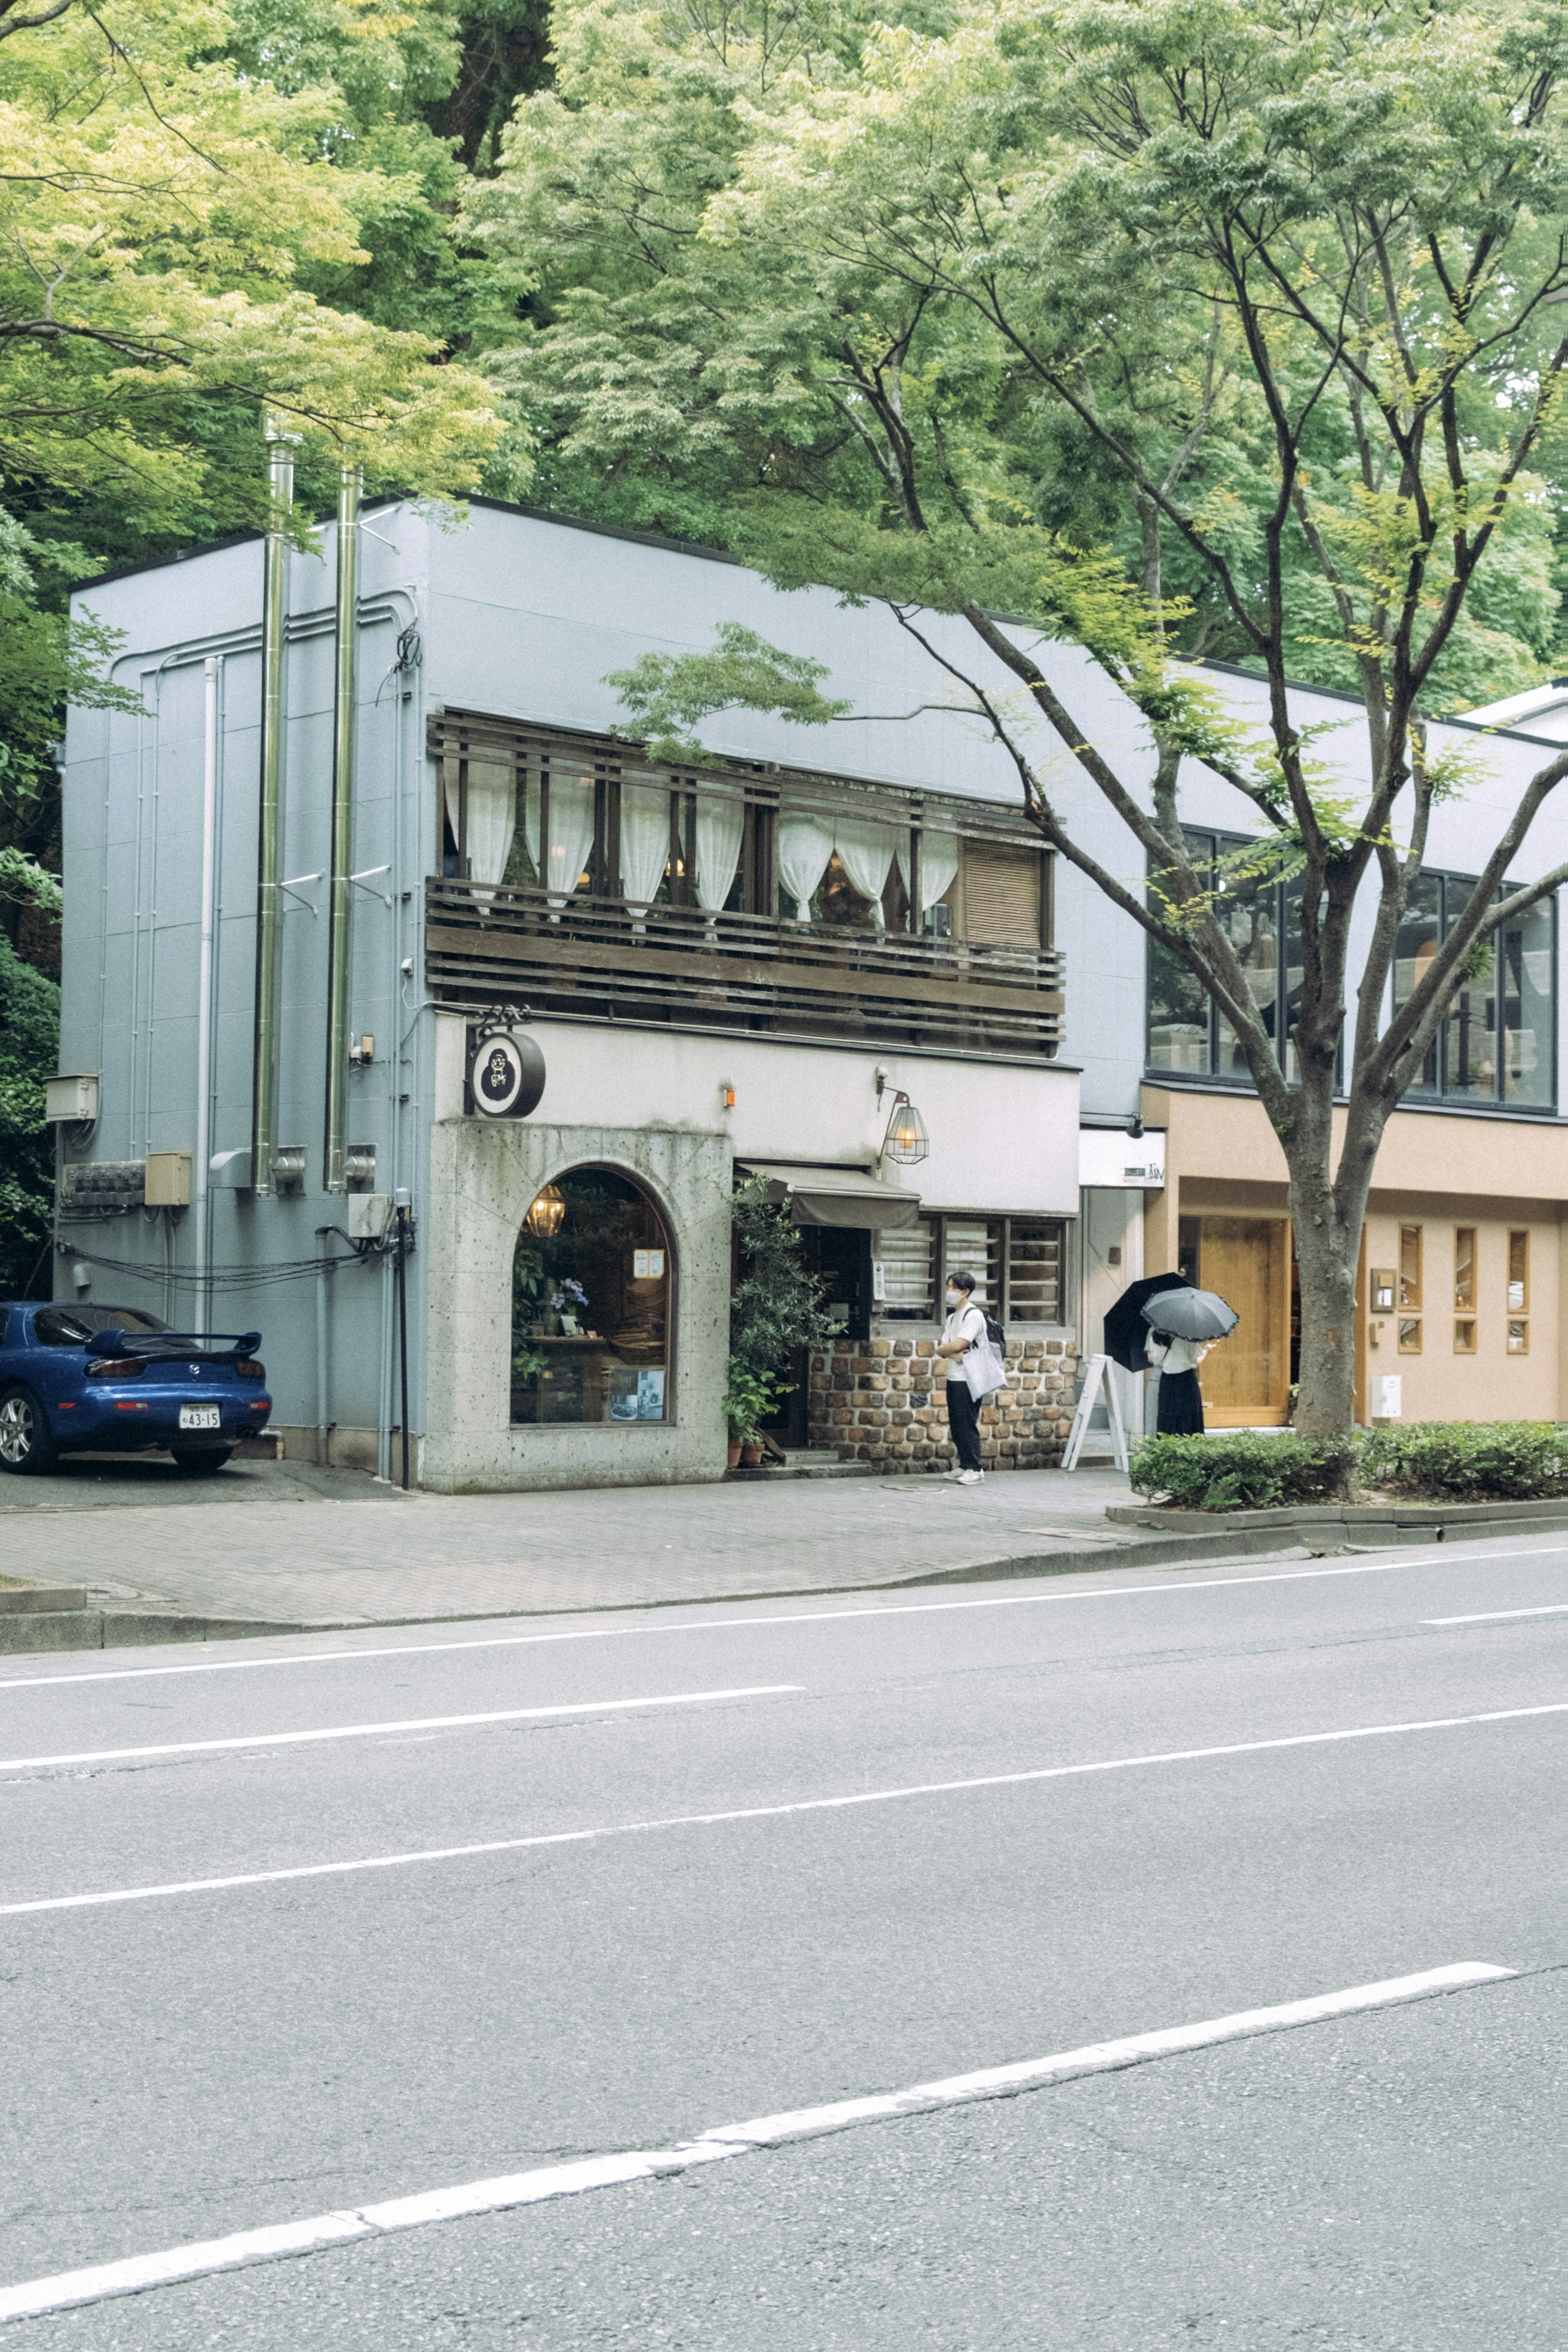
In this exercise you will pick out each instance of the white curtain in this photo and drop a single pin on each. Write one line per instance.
(938, 863)
(570, 832)
(720, 827)
(492, 819)
(866, 852)
(805, 845)
(644, 844)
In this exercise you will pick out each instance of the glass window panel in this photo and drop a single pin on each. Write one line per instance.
(591, 1306)
(1250, 913)
(1409, 1266)
(1035, 1270)
(1470, 1047)
(1180, 1018)
(906, 1255)
(1410, 1336)
(1464, 1267)
(971, 1245)
(1419, 937)
(1527, 959)
(1465, 1336)
(1517, 1336)
(1517, 1271)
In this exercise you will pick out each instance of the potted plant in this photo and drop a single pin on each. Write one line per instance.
(748, 1399)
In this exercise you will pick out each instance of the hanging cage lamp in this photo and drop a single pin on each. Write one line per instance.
(906, 1139)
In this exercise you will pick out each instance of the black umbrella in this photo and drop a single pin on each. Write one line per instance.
(1125, 1329)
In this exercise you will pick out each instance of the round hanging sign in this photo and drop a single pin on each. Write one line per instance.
(506, 1073)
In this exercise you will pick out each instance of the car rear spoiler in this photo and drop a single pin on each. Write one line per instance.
(172, 1343)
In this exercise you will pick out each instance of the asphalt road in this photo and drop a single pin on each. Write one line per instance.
(214, 2059)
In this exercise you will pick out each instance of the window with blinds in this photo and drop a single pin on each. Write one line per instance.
(1002, 894)
(907, 1256)
(971, 1245)
(1035, 1269)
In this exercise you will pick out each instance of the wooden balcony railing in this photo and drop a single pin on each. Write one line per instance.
(676, 967)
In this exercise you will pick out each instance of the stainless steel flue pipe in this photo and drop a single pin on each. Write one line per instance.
(344, 714)
(269, 844)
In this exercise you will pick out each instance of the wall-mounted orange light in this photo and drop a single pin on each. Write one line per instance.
(726, 1094)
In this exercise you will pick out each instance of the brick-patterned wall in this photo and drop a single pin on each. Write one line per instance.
(883, 1402)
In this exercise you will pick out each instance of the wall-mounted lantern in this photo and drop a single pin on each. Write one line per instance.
(548, 1214)
(906, 1139)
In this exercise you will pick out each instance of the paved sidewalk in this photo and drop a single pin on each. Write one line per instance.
(261, 1543)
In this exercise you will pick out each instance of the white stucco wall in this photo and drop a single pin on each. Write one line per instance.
(1002, 1138)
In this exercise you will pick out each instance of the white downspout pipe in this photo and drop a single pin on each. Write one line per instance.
(201, 1197)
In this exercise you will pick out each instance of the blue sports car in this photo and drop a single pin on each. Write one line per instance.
(93, 1380)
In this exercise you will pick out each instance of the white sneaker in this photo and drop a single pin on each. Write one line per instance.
(949, 1477)
(969, 1477)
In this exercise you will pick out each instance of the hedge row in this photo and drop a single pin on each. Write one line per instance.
(1431, 1461)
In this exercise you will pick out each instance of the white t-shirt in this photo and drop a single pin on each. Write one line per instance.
(1181, 1356)
(963, 1323)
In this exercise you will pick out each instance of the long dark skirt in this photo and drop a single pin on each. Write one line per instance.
(1179, 1410)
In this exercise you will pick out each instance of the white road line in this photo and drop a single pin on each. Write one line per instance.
(795, 1617)
(761, 1813)
(246, 2247)
(1491, 1616)
(371, 1730)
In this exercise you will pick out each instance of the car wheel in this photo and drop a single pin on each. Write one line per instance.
(26, 1449)
(193, 1464)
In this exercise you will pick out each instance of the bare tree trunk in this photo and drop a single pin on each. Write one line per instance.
(1327, 1212)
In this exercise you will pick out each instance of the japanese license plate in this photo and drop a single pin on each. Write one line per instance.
(198, 1416)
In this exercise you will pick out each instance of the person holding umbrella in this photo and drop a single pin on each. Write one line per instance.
(1184, 1324)
(1150, 1316)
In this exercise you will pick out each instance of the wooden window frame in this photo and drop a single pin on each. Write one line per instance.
(943, 1256)
(1516, 1324)
(1464, 1290)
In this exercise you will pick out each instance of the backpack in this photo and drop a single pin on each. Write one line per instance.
(994, 1333)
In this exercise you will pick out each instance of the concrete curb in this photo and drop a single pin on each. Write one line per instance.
(1374, 1522)
(115, 1629)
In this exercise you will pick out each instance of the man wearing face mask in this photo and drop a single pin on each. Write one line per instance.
(965, 1329)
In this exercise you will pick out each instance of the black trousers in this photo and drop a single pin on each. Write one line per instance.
(963, 1423)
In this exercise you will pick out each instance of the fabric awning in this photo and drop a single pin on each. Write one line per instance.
(834, 1196)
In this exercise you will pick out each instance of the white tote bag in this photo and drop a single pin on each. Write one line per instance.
(985, 1371)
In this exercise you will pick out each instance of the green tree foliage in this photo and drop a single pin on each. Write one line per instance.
(1190, 326)
(29, 1025)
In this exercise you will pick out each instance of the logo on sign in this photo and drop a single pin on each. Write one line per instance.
(506, 1069)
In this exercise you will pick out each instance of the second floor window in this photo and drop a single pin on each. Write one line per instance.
(1188, 1034)
(1499, 1042)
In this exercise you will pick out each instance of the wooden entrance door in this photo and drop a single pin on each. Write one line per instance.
(1246, 1380)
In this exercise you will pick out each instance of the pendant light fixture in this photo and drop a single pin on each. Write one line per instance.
(547, 1214)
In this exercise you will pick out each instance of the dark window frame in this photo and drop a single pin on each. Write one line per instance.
(1434, 1085)
(1220, 843)
(943, 1258)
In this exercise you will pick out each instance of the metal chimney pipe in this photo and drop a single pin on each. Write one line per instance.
(269, 844)
(344, 716)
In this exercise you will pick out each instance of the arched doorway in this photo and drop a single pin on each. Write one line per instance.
(592, 1290)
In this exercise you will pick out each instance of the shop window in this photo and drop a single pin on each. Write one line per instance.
(1410, 1290)
(1464, 1335)
(591, 1315)
(1464, 1269)
(1519, 1294)
(1496, 1044)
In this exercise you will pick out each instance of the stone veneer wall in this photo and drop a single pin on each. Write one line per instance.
(880, 1400)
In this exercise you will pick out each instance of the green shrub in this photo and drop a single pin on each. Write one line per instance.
(1244, 1470)
(1448, 1461)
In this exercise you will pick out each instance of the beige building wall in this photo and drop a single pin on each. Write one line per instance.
(1437, 1171)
